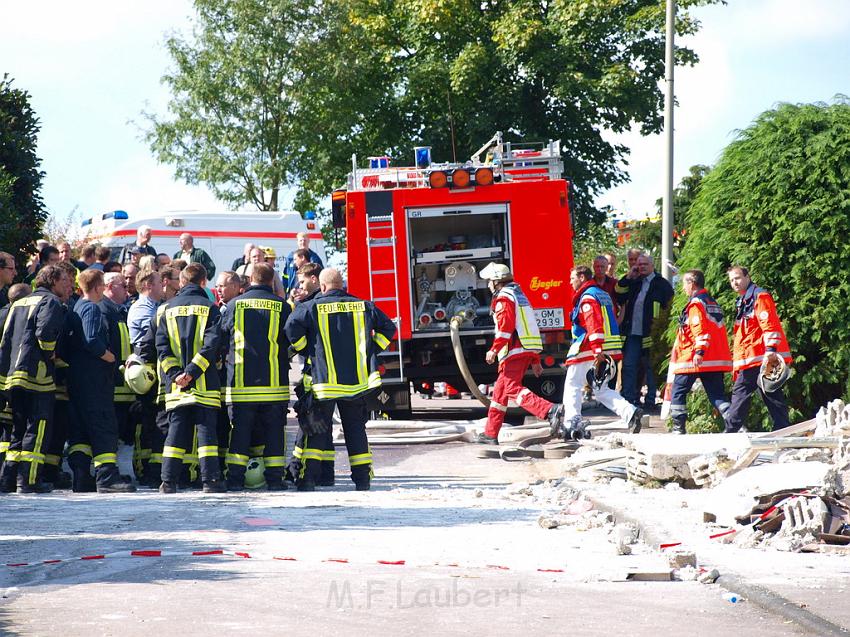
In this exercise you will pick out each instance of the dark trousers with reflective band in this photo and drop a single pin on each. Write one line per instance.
(354, 415)
(712, 382)
(58, 437)
(745, 385)
(32, 416)
(268, 420)
(296, 464)
(94, 436)
(5, 432)
(147, 438)
(223, 433)
(182, 424)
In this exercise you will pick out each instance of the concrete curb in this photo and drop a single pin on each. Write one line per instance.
(765, 598)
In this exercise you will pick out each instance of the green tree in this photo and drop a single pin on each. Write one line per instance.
(452, 72)
(22, 212)
(683, 197)
(270, 93)
(778, 203)
(234, 105)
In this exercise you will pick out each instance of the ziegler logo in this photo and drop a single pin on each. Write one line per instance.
(537, 284)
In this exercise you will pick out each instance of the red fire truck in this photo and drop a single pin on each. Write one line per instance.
(418, 237)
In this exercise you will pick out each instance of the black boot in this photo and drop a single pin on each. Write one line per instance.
(364, 484)
(24, 485)
(82, 482)
(214, 486)
(8, 477)
(35, 487)
(168, 487)
(637, 421)
(556, 419)
(306, 485)
(276, 485)
(110, 481)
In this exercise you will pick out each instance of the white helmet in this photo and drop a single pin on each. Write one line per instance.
(138, 375)
(495, 272)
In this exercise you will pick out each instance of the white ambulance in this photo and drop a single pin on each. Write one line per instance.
(222, 235)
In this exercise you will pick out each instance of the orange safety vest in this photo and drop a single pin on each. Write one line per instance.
(757, 329)
(701, 330)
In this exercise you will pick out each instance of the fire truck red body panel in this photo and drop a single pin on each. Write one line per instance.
(540, 243)
(416, 245)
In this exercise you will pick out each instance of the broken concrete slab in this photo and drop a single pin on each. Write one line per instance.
(708, 470)
(737, 494)
(804, 516)
(665, 458)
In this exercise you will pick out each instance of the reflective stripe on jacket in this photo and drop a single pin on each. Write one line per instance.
(594, 322)
(757, 329)
(187, 339)
(30, 333)
(516, 324)
(340, 335)
(701, 330)
(257, 350)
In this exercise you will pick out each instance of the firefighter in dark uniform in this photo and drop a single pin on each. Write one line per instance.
(306, 290)
(257, 388)
(154, 416)
(61, 425)
(340, 335)
(115, 313)
(15, 293)
(90, 386)
(27, 353)
(187, 340)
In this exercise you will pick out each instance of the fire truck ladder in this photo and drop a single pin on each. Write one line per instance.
(378, 225)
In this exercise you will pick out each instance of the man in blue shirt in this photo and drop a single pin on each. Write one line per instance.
(149, 286)
(290, 271)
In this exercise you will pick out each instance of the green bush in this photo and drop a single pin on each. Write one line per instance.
(778, 203)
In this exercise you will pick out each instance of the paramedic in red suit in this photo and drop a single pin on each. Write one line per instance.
(595, 335)
(517, 347)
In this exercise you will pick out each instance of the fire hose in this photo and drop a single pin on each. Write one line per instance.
(454, 329)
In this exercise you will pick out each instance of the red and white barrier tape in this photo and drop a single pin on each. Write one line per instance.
(245, 555)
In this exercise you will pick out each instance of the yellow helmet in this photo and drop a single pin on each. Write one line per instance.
(138, 375)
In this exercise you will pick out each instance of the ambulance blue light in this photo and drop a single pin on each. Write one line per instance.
(310, 214)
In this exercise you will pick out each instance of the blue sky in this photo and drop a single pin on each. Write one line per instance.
(91, 67)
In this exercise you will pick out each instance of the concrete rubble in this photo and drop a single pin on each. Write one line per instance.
(788, 489)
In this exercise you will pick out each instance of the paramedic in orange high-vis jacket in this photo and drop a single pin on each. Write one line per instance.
(758, 337)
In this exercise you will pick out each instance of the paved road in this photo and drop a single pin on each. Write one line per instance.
(475, 560)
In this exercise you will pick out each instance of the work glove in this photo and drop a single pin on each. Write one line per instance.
(311, 418)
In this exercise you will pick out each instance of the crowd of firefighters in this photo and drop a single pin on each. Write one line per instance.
(619, 321)
(197, 383)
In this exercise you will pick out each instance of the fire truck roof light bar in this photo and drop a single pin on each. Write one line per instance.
(504, 163)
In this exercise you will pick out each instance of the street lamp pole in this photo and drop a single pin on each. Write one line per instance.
(667, 211)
